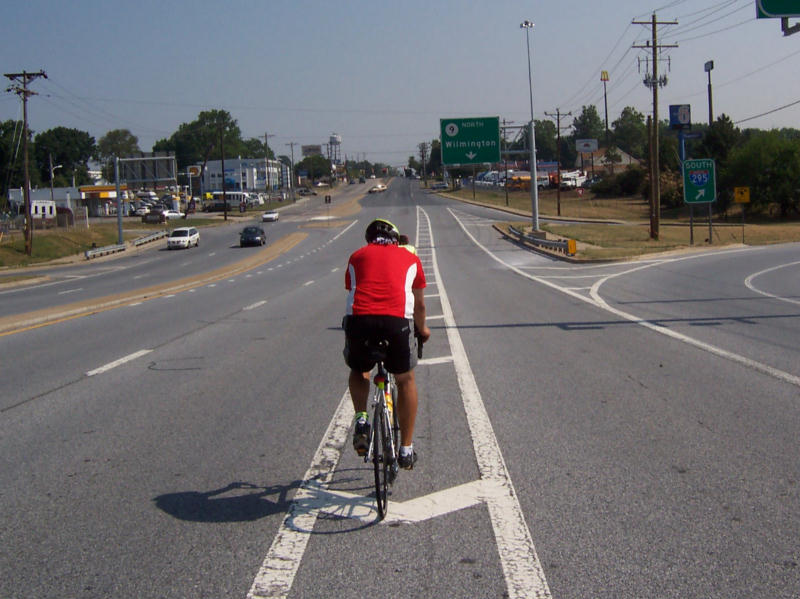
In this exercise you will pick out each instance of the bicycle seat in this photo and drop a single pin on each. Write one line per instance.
(378, 349)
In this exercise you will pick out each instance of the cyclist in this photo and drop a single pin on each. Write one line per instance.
(385, 300)
(406, 244)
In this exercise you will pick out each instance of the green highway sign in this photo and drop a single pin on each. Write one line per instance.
(699, 181)
(470, 141)
(771, 9)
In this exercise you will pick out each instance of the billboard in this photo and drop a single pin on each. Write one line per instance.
(311, 150)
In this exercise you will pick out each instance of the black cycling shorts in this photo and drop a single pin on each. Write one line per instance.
(362, 332)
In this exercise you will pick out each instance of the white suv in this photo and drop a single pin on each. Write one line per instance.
(183, 237)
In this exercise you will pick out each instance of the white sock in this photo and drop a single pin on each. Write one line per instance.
(406, 449)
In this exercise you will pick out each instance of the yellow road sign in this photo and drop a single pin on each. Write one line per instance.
(741, 195)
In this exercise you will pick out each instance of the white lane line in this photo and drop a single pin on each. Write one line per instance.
(596, 300)
(116, 363)
(256, 305)
(749, 283)
(276, 574)
(307, 283)
(432, 361)
(521, 566)
(70, 291)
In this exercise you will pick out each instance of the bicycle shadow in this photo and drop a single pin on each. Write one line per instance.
(235, 502)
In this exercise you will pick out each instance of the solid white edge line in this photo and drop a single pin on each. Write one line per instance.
(522, 569)
(119, 362)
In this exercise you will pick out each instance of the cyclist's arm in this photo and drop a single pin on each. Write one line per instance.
(419, 314)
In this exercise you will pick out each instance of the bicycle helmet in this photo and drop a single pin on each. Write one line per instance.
(381, 229)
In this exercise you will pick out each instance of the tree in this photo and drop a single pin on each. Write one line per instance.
(317, 166)
(630, 132)
(546, 140)
(769, 164)
(199, 141)
(588, 125)
(70, 148)
(117, 143)
(11, 174)
(719, 139)
(435, 158)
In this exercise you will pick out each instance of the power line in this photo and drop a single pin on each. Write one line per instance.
(750, 118)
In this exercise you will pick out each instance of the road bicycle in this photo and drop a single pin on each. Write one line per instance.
(384, 438)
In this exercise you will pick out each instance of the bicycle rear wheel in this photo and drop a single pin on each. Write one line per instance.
(380, 436)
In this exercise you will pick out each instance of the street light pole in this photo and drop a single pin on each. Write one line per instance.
(527, 25)
(709, 66)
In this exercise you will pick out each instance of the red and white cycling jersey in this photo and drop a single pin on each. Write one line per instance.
(380, 278)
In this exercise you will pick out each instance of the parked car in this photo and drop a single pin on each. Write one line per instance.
(183, 237)
(269, 216)
(142, 211)
(380, 187)
(168, 214)
(252, 236)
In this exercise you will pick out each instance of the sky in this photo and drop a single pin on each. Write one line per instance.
(381, 74)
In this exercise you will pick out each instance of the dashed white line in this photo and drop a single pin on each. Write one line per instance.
(254, 306)
(70, 291)
(119, 362)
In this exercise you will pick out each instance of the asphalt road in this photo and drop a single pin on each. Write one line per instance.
(620, 430)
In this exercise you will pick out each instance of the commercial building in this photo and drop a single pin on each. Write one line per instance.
(246, 174)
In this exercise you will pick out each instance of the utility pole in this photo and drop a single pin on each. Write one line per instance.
(604, 79)
(558, 116)
(654, 82)
(266, 155)
(423, 150)
(291, 168)
(222, 166)
(505, 156)
(22, 90)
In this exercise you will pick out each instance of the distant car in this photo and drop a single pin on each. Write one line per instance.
(168, 214)
(142, 211)
(252, 236)
(439, 185)
(380, 187)
(362, 180)
(270, 216)
(183, 237)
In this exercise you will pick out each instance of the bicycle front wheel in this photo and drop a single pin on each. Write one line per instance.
(380, 461)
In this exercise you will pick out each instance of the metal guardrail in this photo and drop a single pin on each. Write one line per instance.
(107, 249)
(566, 246)
(148, 238)
(120, 247)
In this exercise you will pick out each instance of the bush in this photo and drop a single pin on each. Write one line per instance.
(628, 182)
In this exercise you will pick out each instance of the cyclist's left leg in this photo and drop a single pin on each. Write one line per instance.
(407, 405)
